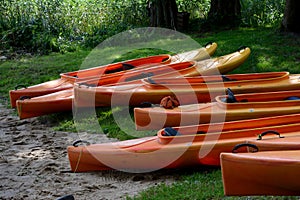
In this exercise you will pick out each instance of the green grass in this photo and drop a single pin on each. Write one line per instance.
(201, 183)
(271, 51)
(33, 70)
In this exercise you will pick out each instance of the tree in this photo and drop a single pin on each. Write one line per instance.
(290, 22)
(224, 13)
(163, 13)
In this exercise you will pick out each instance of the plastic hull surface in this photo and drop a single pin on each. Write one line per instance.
(261, 173)
(249, 106)
(157, 152)
(187, 90)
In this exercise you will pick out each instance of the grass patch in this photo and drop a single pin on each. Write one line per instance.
(202, 184)
(34, 70)
(270, 50)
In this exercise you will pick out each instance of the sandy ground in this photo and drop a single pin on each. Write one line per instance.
(34, 165)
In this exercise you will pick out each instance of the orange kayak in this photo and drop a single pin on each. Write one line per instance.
(262, 173)
(62, 100)
(187, 90)
(276, 143)
(189, 146)
(192, 132)
(226, 108)
(67, 80)
(86, 90)
(219, 65)
(27, 108)
(273, 170)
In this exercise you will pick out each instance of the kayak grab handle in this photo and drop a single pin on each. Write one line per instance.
(241, 48)
(24, 97)
(253, 146)
(20, 86)
(266, 132)
(75, 144)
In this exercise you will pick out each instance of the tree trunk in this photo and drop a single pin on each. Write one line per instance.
(163, 13)
(290, 22)
(225, 13)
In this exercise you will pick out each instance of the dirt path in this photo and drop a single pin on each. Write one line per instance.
(34, 165)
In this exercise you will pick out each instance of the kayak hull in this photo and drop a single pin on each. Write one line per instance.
(187, 90)
(68, 79)
(39, 90)
(220, 65)
(189, 149)
(262, 173)
(172, 70)
(258, 105)
(60, 101)
(275, 144)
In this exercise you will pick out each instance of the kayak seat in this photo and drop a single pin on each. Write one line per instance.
(24, 97)
(145, 105)
(168, 131)
(150, 80)
(87, 85)
(226, 79)
(125, 66)
(201, 132)
(292, 98)
(230, 97)
(140, 76)
(165, 59)
(208, 43)
(244, 100)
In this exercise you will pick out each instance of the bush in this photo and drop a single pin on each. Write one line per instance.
(42, 26)
(63, 25)
(262, 12)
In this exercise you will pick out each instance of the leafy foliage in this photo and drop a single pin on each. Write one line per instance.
(262, 12)
(197, 8)
(43, 26)
(54, 25)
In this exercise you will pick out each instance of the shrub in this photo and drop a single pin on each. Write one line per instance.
(64, 25)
